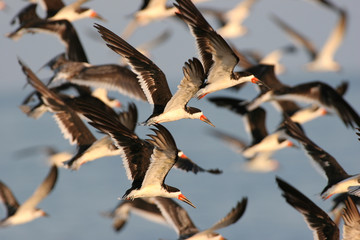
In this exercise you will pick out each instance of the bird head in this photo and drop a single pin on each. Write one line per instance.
(195, 113)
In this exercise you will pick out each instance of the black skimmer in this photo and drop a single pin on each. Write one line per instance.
(217, 57)
(167, 107)
(328, 164)
(231, 21)
(20, 214)
(350, 185)
(289, 106)
(57, 10)
(147, 162)
(322, 60)
(263, 144)
(109, 76)
(318, 221)
(316, 92)
(128, 121)
(267, 74)
(179, 219)
(143, 207)
(148, 173)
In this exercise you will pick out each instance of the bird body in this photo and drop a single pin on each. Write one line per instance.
(167, 107)
(20, 214)
(316, 92)
(350, 185)
(147, 162)
(217, 57)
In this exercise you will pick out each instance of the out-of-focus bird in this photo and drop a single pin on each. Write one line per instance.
(26, 212)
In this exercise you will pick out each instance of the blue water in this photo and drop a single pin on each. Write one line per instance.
(78, 198)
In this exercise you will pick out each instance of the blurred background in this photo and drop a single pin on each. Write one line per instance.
(79, 197)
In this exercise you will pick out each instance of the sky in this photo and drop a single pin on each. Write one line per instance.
(79, 197)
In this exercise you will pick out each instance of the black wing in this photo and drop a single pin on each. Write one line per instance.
(318, 220)
(328, 163)
(151, 78)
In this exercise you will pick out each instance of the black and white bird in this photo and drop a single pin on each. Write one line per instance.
(26, 212)
(350, 185)
(57, 10)
(179, 219)
(327, 163)
(321, 60)
(217, 57)
(167, 107)
(319, 221)
(105, 146)
(289, 106)
(147, 162)
(315, 92)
